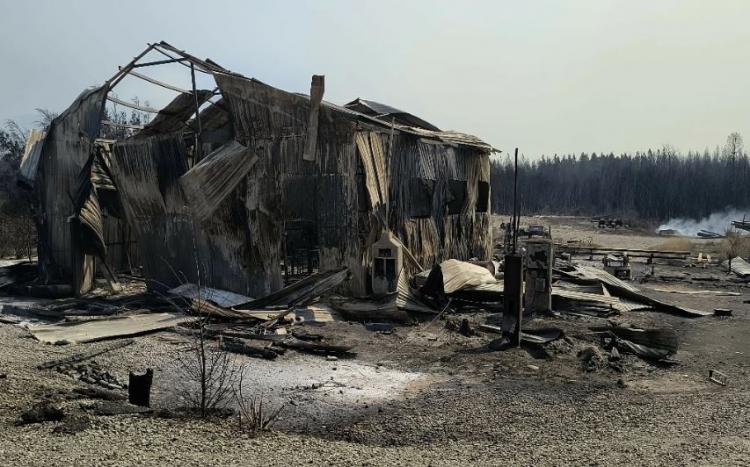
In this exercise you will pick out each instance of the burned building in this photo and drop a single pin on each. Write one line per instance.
(245, 186)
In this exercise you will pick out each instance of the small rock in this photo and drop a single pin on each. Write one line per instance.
(532, 367)
(331, 358)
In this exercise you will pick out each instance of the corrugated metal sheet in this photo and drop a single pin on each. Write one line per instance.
(740, 267)
(175, 115)
(146, 172)
(31, 156)
(388, 113)
(89, 213)
(66, 149)
(210, 181)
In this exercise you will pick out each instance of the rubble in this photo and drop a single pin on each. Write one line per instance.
(91, 373)
(41, 412)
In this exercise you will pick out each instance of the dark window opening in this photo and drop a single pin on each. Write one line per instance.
(363, 197)
(385, 269)
(379, 267)
(301, 255)
(483, 196)
(422, 191)
(384, 252)
(456, 196)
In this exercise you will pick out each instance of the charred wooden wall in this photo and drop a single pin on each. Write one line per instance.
(283, 190)
(440, 200)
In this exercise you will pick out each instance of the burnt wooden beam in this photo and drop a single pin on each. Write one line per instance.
(112, 82)
(158, 62)
(317, 88)
(131, 105)
(122, 125)
(157, 82)
(207, 64)
(197, 116)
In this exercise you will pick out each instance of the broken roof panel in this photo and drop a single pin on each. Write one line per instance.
(237, 88)
(175, 115)
(387, 113)
(210, 181)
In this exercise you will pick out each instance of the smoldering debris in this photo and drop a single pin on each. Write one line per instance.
(715, 224)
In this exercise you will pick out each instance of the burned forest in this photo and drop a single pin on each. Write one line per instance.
(262, 258)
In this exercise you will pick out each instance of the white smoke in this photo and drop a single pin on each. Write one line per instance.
(718, 222)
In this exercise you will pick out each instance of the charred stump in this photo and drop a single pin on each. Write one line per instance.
(139, 388)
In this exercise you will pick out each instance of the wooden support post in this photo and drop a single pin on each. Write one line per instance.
(317, 88)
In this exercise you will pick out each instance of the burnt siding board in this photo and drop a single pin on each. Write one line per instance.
(146, 172)
(275, 124)
(300, 198)
(261, 111)
(227, 240)
(65, 152)
(451, 230)
(423, 192)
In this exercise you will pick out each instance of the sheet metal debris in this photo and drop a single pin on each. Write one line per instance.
(623, 290)
(96, 330)
(739, 266)
(223, 298)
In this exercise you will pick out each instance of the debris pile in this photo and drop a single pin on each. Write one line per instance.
(91, 373)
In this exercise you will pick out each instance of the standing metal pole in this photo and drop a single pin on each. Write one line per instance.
(197, 152)
(515, 203)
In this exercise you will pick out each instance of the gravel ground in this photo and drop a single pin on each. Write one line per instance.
(420, 396)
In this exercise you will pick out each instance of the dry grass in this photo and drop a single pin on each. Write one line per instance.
(735, 245)
(675, 244)
(253, 416)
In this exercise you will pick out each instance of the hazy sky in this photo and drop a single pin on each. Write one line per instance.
(547, 76)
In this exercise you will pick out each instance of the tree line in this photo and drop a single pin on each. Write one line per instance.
(653, 185)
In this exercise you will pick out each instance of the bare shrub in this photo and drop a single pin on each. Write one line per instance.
(17, 236)
(209, 373)
(254, 417)
(734, 245)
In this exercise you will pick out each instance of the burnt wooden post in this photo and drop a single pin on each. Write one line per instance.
(139, 388)
(513, 296)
